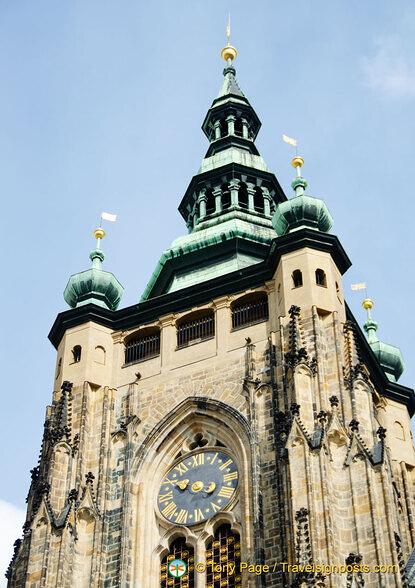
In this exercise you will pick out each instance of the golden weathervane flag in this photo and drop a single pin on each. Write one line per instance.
(361, 286)
(289, 140)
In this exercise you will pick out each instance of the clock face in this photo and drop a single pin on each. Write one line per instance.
(197, 487)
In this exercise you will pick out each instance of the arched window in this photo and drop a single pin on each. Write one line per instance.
(297, 277)
(226, 196)
(99, 355)
(142, 345)
(178, 550)
(210, 202)
(399, 431)
(238, 127)
(196, 327)
(259, 201)
(321, 278)
(76, 353)
(223, 128)
(243, 196)
(249, 310)
(225, 549)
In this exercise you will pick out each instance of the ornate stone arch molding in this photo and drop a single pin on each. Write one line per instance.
(146, 535)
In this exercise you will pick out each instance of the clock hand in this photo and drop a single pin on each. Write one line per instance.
(183, 484)
(210, 488)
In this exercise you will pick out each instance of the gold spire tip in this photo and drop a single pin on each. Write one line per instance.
(99, 233)
(228, 52)
(367, 304)
(297, 161)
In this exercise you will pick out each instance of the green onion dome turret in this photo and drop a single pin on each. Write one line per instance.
(302, 210)
(94, 285)
(389, 356)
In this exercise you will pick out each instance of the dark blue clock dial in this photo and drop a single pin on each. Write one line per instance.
(197, 487)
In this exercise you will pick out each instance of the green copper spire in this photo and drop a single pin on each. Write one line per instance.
(229, 203)
(389, 356)
(94, 285)
(302, 210)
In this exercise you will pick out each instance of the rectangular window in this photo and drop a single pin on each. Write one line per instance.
(142, 348)
(195, 330)
(250, 312)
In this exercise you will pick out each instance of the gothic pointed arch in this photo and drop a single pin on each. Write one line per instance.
(192, 422)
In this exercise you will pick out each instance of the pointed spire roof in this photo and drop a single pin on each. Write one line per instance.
(230, 85)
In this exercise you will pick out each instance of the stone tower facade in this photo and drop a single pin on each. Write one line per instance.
(237, 418)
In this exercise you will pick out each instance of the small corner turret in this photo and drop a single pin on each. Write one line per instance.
(389, 356)
(94, 285)
(302, 210)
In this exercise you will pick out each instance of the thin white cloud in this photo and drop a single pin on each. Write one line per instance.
(11, 521)
(390, 70)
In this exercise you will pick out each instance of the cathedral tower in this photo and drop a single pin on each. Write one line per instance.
(236, 416)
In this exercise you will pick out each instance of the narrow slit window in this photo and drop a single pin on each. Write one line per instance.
(259, 201)
(297, 277)
(321, 279)
(243, 196)
(226, 196)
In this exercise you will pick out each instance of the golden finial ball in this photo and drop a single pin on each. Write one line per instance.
(99, 233)
(228, 52)
(297, 161)
(367, 304)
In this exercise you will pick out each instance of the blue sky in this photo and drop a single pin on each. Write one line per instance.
(100, 109)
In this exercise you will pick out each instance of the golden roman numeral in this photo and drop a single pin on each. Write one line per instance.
(166, 497)
(198, 515)
(226, 464)
(181, 517)
(169, 511)
(229, 477)
(215, 507)
(216, 455)
(167, 481)
(198, 459)
(226, 492)
(181, 468)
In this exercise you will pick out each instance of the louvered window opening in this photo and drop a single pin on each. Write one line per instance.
(142, 348)
(178, 550)
(225, 549)
(196, 330)
(250, 312)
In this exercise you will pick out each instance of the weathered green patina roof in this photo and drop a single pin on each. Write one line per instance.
(301, 211)
(389, 356)
(234, 237)
(94, 285)
(230, 85)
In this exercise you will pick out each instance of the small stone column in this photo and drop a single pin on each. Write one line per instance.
(234, 187)
(267, 201)
(231, 124)
(245, 133)
(202, 203)
(251, 192)
(217, 192)
(216, 126)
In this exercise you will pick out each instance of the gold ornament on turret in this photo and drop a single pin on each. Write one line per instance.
(228, 52)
